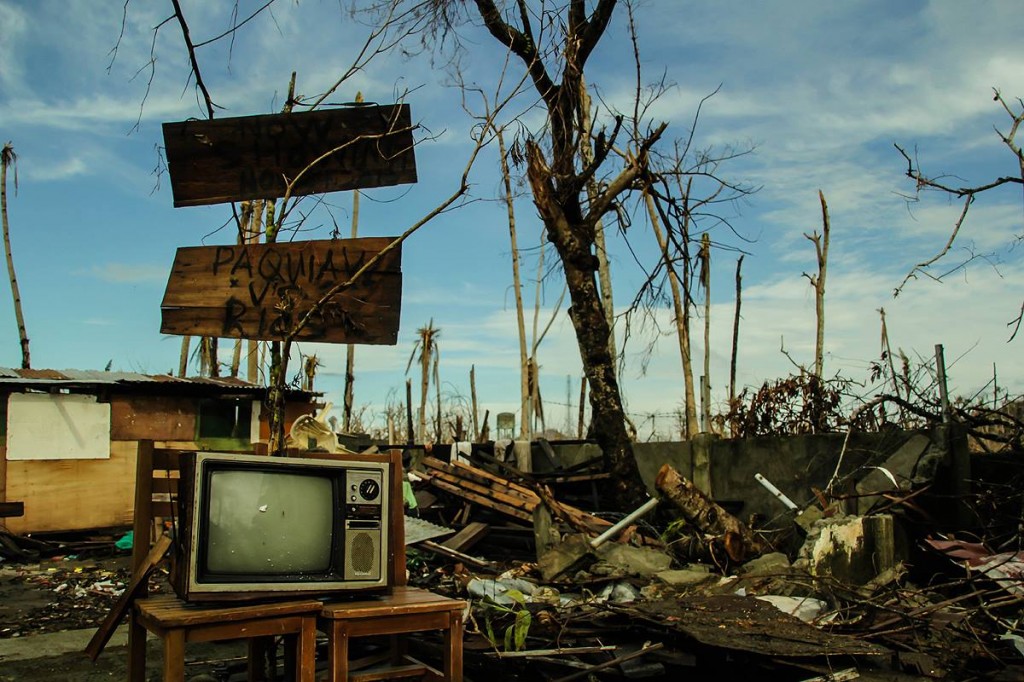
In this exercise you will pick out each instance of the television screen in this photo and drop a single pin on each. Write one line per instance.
(268, 522)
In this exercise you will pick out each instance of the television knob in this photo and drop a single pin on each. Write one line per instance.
(369, 489)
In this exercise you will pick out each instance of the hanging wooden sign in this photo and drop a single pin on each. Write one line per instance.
(261, 291)
(256, 157)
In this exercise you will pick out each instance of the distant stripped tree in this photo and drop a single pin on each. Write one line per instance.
(426, 347)
(9, 159)
(817, 281)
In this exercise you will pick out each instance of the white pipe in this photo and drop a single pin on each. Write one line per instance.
(776, 492)
(630, 518)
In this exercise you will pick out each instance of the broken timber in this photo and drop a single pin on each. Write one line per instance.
(503, 496)
(701, 511)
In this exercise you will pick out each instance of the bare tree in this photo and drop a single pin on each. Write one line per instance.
(553, 45)
(735, 330)
(924, 182)
(426, 346)
(517, 290)
(8, 159)
(817, 281)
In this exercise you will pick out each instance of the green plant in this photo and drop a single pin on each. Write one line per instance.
(515, 633)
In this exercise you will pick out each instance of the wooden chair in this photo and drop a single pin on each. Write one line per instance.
(177, 623)
(406, 610)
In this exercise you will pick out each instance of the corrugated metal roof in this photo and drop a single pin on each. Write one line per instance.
(41, 378)
(53, 377)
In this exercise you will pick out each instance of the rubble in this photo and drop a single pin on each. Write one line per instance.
(836, 589)
(839, 588)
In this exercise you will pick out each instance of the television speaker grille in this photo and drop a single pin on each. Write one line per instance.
(363, 555)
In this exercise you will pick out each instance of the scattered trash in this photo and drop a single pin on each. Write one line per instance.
(124, 543)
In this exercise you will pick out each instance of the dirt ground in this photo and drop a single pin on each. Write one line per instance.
(56, 604)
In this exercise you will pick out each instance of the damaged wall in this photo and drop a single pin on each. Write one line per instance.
(725, 468)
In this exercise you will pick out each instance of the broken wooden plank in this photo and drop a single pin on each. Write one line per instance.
(468, 536)
(432, 546)
(490, 490)
(140, 579)
(454, 489)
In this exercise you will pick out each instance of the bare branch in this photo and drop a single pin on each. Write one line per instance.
(192, 57)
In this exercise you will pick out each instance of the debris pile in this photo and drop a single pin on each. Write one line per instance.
(872, 580)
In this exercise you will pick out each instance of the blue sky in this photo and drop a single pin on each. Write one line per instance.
(821, 91)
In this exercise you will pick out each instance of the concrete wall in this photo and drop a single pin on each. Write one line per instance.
(795, 464)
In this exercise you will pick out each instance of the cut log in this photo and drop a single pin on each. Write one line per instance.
(708, 517)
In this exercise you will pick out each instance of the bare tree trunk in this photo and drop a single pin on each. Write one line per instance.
(183, 356)
(735, 331)
(279, 352)
(437, 388)
(409, 438)
(679, 305)
(818, 282)
(608, 419)
(244, 229)
(604, 274)
(252, 370)
(9, 158)
(517, 287)
(583, 406)
(350, 349)
(705, 280)
(472, 392)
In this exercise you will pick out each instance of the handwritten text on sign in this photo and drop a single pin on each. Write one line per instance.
(256, 157)
(262, 291)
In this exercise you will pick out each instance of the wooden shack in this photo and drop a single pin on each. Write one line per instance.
(69, 438)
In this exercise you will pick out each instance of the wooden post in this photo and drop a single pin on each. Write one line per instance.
(3, 477)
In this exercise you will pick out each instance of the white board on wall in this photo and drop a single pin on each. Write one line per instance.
(57, 426)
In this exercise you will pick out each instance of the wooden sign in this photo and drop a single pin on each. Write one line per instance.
(260, 291)
(255, 157)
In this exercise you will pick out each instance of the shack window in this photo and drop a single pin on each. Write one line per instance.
(225, 418)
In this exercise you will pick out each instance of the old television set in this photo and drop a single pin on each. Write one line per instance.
(257, 527)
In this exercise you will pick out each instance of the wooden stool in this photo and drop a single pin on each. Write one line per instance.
(177, 623)
(407, 609)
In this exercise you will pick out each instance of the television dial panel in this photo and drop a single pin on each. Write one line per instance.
(363, 524)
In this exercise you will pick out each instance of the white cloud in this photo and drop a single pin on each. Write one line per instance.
(57, 170)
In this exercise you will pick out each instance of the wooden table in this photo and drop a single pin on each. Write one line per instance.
(177, 623)
(406, 610)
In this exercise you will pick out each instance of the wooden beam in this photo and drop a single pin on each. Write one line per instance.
(468, 536)
(255, 157)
